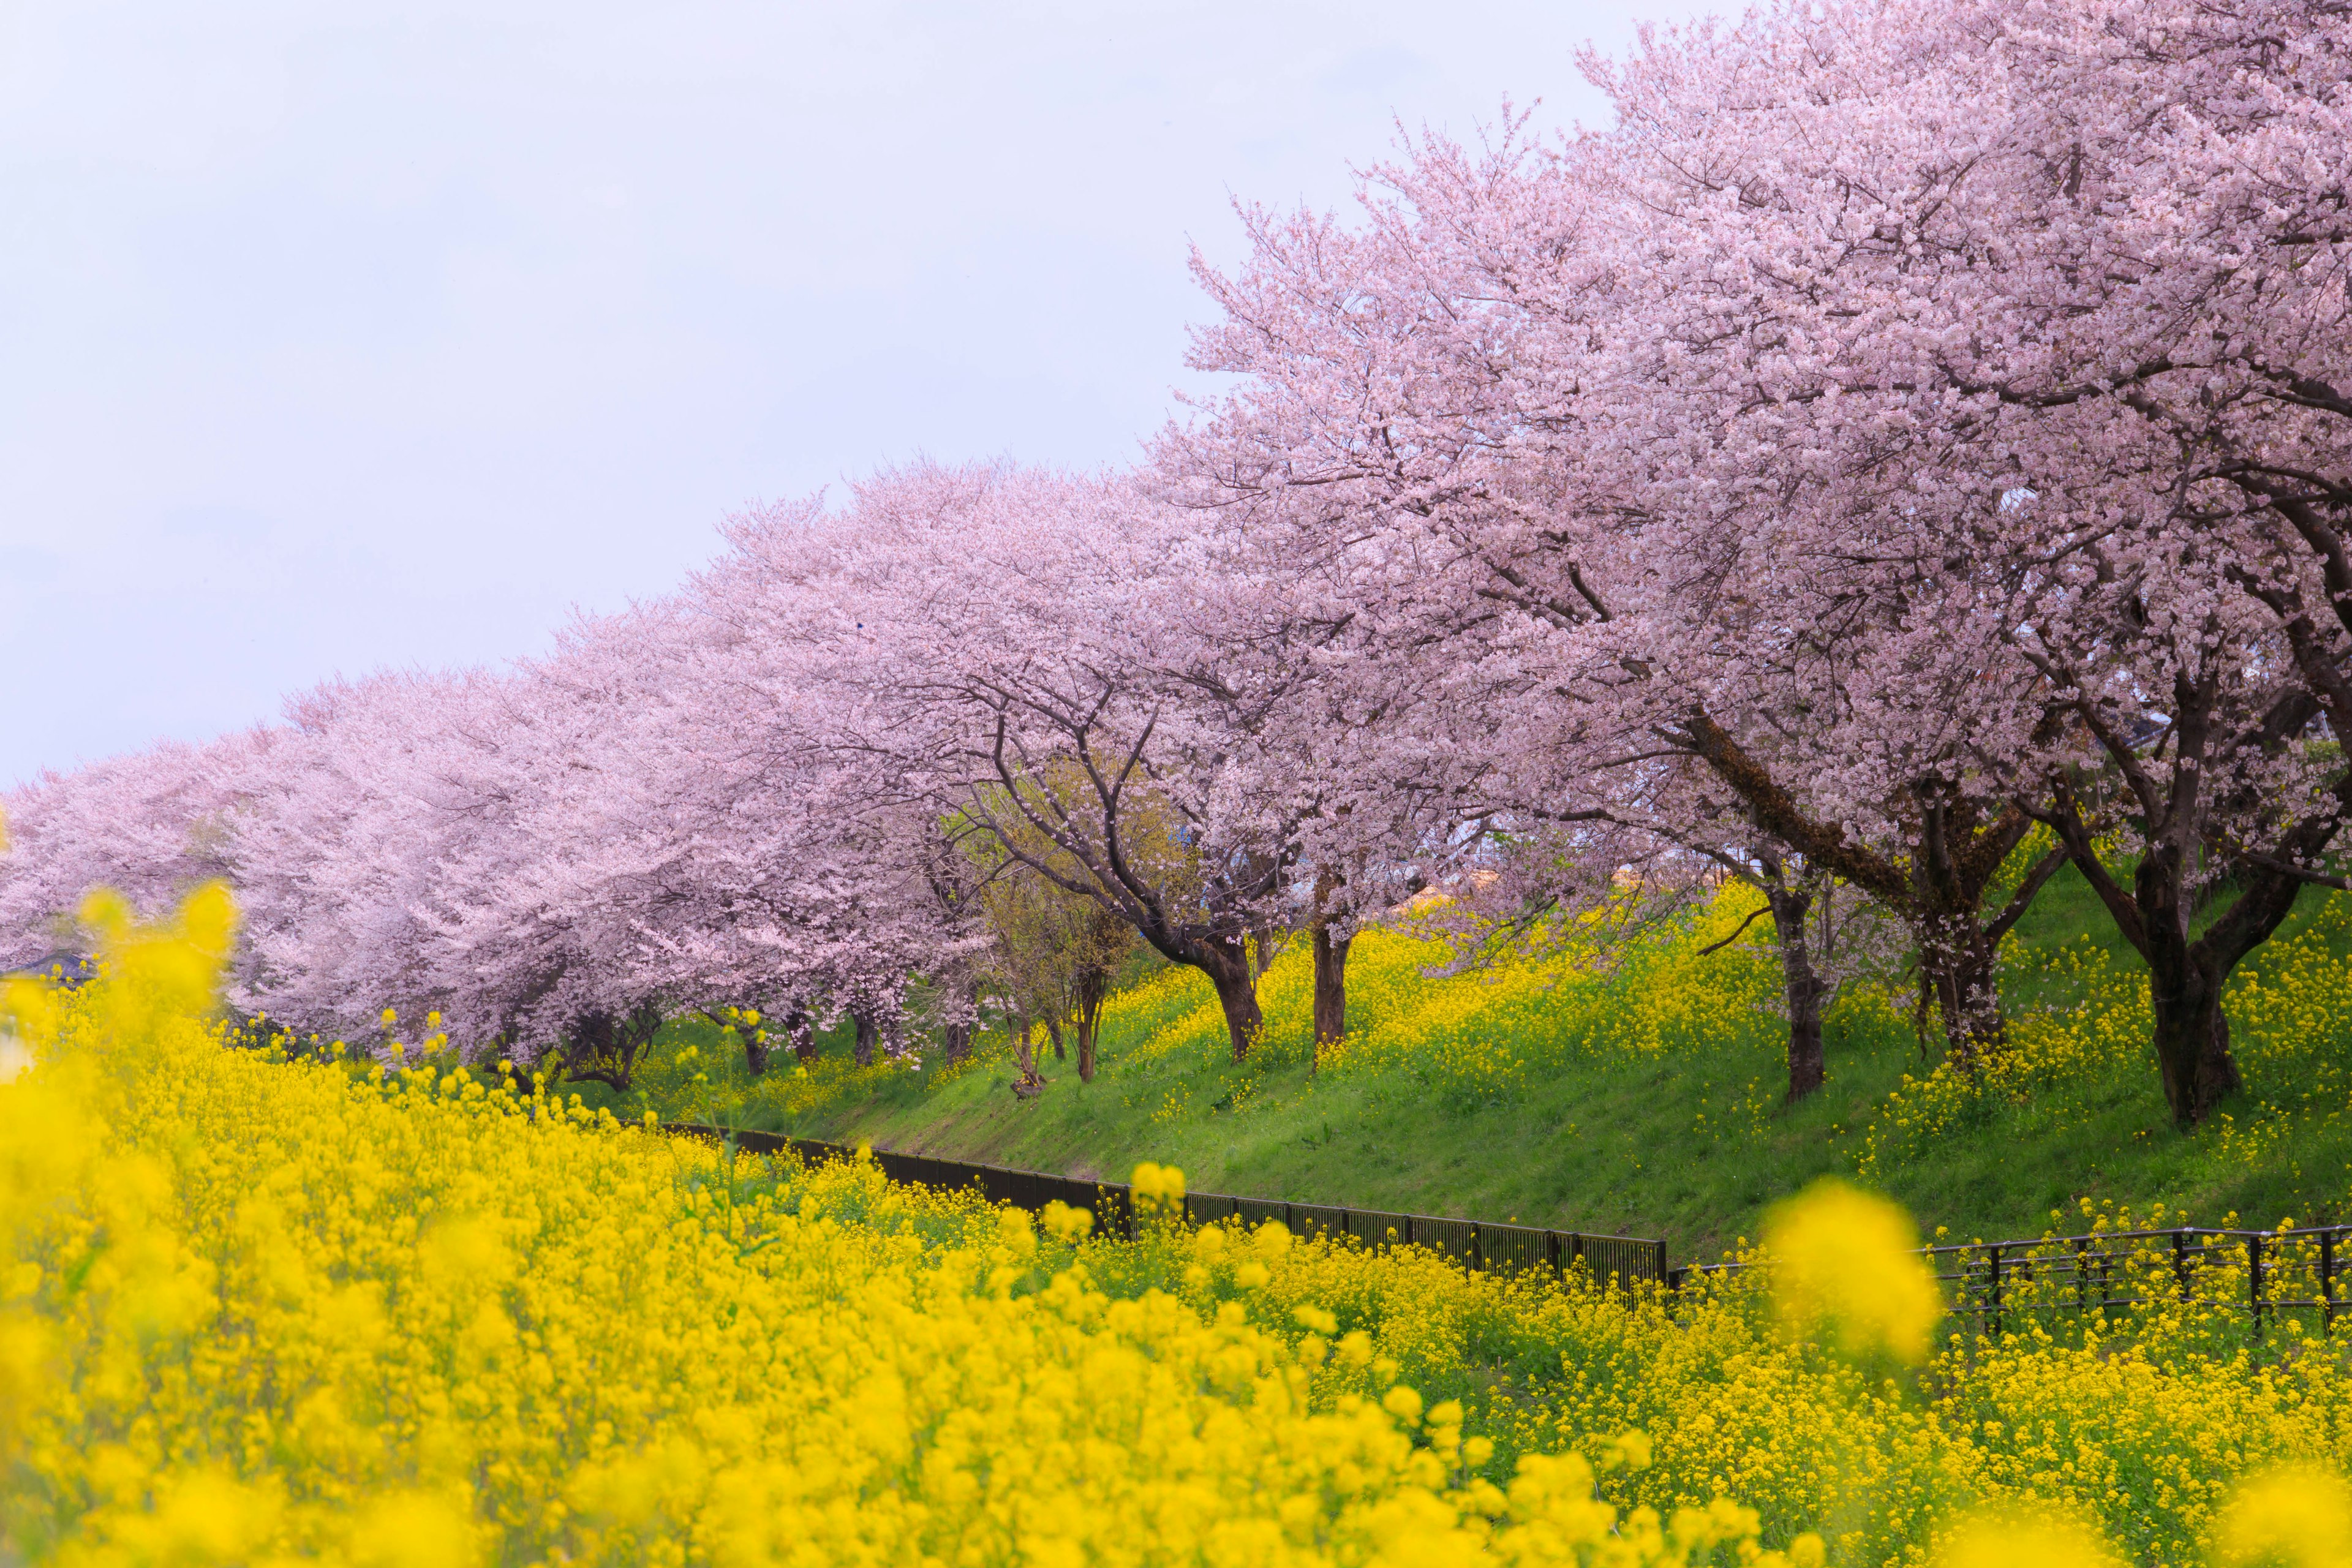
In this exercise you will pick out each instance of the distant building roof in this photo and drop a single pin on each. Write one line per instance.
(71, 967)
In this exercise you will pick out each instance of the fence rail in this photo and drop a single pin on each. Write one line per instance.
(1474, 1244)
(2263, 1272)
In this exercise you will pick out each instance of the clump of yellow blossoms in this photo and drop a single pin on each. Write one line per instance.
(254, 1310)
(1847, 1262)
(2006, 1539)
(2294, 1518)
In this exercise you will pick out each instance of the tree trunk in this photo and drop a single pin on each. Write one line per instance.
(1330, 987)
(605, 1049)
(1093, 986)
(2185, 980)
(755, 1048)
(1229, 971)
(868, 1034)
(1262, 946)
(955, 1039)
(1026, 1084)
(1803, 988)
(1959, 967)
(802, 1037)
(1053, 1033)
(2192, 1038)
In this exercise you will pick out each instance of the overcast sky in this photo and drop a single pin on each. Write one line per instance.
(341, 336)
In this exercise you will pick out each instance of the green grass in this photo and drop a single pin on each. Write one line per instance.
(1643, 1101)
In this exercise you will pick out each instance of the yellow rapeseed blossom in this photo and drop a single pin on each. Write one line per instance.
(2008, 1539)
(2294, 1518)
(1845, 1261)
(1157, 1191)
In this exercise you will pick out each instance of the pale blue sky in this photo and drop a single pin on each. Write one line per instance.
(365, 334)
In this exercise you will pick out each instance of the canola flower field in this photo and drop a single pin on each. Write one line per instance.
(254, 1310)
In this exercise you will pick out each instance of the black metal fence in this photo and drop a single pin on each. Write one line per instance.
(2265, 1273)
(1474, 1244)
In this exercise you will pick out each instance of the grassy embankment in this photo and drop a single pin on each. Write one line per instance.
(1644, 1100)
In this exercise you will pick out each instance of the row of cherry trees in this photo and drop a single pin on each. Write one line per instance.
(1913, 425)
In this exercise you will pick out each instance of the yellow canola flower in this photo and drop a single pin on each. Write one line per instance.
(2013, 1539)
(2297, 1517)
(1158, 1193)
(1844, 1261)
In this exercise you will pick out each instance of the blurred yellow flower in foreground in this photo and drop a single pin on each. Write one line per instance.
(2011, 1538)
(2294, 1518)
(1846, 1263)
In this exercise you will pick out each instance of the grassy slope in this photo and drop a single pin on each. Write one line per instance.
(1683, 1139)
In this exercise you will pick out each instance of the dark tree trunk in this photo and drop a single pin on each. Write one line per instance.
(1093, 986)
(798, 1030)
(1960, 969)
(2185, 981)
(2186, 978)
(1228, 967)
(1330, 987)
(1330, 969)
(1803, 988)
(602, 1048)
(956, 1038)
(755, 1048)
(2192, 1041)
(867, 1035)
(1053, 1033)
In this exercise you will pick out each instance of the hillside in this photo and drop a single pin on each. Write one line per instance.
(1644, 1100)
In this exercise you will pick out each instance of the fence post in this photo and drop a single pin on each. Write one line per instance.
(1992, 1313)
(1660, 1259)
(1476, 1257)
(2327, 1282)
(2255, 1277)
(2180, 1261)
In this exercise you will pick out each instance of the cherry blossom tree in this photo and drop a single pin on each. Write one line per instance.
(1008, 646)
(1442, 403)
(2055, 293)
(150, 825)
(1778, 428)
